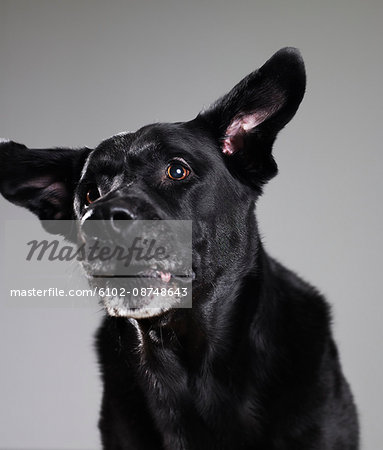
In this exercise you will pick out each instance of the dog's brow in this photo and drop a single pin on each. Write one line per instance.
(138, 147)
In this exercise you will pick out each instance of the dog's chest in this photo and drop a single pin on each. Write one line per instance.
(202, 406)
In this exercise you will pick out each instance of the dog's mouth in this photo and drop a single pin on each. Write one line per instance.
(144, 292)
(152, 274)
(142, 271)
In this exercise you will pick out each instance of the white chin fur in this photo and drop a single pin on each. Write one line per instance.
(136, 313)
(115, 307)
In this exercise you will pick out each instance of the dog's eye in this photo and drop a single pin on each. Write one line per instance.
(92, 195)
(177, 171)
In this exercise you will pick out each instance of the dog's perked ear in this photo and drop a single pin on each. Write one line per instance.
(247, 120)
(42, 180)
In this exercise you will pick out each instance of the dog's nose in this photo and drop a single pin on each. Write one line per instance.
(107, 220)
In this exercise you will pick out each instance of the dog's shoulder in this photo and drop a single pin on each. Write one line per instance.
(297, 321)
(298, 295)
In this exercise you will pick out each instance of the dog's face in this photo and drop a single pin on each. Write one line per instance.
(209, 170)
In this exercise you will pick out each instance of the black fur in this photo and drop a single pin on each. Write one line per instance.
(253, 364)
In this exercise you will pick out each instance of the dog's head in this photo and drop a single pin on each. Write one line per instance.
(209, 170)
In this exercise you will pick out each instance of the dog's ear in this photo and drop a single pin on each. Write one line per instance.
(247, 120)
(42, 180)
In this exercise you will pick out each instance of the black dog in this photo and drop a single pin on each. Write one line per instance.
(253, 364)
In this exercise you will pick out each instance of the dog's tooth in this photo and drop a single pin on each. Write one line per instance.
(165, 277)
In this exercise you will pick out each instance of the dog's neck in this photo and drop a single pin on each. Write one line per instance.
(215, 325)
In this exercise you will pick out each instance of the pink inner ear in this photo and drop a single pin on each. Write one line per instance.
(241, 125)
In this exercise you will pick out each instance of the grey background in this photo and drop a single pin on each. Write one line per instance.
(75, 72)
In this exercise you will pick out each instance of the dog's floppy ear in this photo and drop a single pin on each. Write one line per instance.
(42, 180)
(247, 120)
